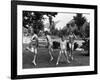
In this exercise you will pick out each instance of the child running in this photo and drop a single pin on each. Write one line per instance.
(33, 46)
(63, 43)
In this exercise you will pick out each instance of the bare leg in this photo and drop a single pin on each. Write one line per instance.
(58, 57)
(50, 55)
(34, 60)
(67, 56)
(50, 50)
(69, 53)
(27, 48)
(72, 51)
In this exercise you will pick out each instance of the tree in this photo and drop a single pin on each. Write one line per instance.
(51, 15)
(79, 21)
(83, 29)
(87, 30)
(35, 19)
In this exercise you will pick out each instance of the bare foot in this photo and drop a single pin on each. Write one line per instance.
(57, 63)
(34, 63)
(72, 58)
(68, 61)
(51, 59)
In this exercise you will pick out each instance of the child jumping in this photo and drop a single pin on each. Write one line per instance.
(63, 43)
(49, 44)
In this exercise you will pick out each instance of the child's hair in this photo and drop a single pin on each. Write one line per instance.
(62, 37)
(47, 33)
(35, 32)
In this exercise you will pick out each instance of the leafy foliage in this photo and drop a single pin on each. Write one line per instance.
(35, 19)
(79, 20)
(82, 25)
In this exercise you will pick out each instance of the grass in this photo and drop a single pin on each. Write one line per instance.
(43, 59)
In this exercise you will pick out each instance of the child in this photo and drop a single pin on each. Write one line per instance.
(49, 44)
(63, 43)
(71, 43)
(33, 46)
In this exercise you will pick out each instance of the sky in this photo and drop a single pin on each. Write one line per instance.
(62, 19)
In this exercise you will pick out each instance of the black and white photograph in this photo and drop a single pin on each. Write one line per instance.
(53, 38)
